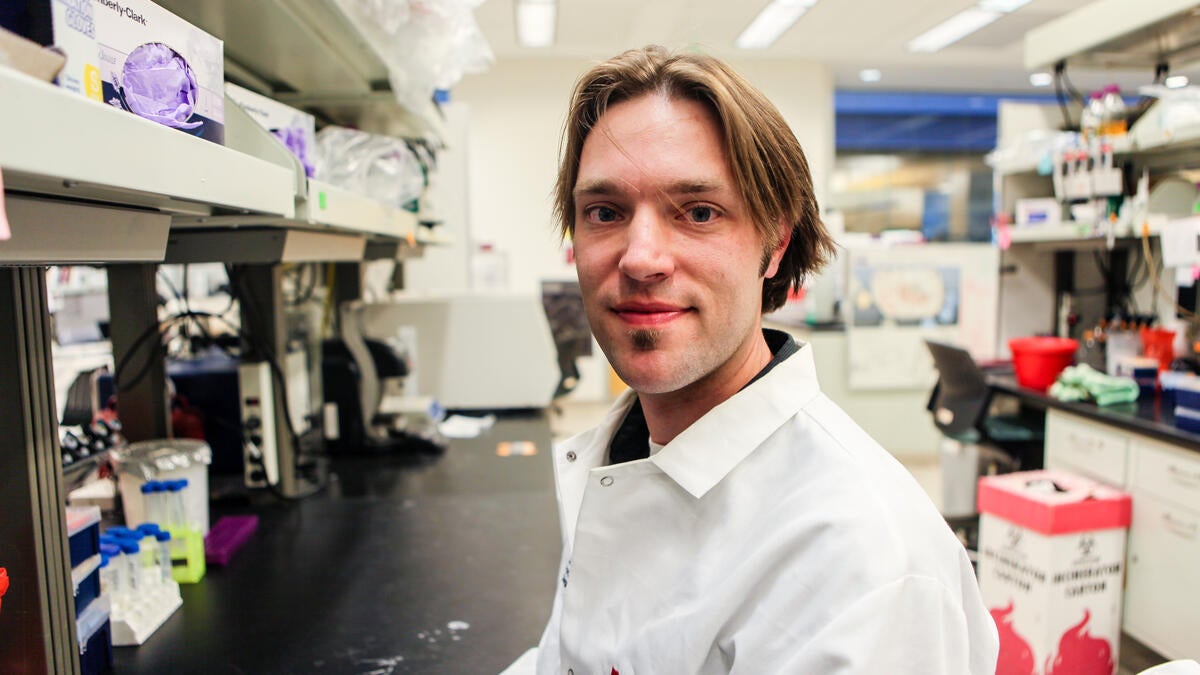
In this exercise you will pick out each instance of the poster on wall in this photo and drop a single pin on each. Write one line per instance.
(899, 296)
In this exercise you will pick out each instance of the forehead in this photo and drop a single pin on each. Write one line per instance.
(656, 139)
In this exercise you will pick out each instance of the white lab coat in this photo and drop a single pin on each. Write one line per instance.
(772, 536)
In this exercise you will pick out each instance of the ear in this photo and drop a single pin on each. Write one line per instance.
(777, 254)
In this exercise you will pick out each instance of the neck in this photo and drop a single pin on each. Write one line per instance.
(667, 415)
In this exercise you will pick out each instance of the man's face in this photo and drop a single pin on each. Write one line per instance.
(668, 259)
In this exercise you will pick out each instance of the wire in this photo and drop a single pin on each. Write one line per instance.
(1062, 99)
(1153, 264)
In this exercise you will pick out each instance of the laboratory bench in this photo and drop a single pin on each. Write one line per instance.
(1137, 448)
(408, 562)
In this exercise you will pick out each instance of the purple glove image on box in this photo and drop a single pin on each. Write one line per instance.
(157, 83)
(294, 140)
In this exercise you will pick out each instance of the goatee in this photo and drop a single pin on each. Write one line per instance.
(644, 339)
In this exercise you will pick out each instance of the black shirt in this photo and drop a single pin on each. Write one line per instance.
(632, 439)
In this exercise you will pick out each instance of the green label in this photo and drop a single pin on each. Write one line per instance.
(321, 200)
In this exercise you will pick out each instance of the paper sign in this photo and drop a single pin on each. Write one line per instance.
(1185, 276)
(5, 230)
(516, 449)
(1180, 245)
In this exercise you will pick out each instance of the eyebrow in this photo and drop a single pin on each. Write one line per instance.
(603, 187)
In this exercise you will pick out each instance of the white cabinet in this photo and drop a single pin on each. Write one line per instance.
(1096, 450)
(1162, 584)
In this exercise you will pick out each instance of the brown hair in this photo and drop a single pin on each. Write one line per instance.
(765, 158)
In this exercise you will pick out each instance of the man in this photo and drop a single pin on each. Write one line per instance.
(726, 517)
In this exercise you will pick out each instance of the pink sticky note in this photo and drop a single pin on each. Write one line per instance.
(5, 230)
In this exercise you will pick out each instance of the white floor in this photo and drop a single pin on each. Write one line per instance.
(572, 417)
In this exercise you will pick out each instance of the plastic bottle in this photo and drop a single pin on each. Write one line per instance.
(164, 554)
(1092, 115)
(1114, 121)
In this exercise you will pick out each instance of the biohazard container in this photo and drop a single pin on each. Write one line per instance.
(1051, 569)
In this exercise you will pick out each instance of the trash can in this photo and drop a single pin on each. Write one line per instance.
(163, 460)
(1051, 569)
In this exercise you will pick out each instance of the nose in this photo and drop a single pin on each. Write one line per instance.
(647, 255)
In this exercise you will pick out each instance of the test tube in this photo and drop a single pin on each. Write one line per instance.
(176, 502)
(109, 583)
(163, 538)
(147, 491)
(149, 544)
(133, 565)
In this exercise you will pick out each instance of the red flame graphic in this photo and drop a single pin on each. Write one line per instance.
(3, 582)
(1016, 656)
(1080, 653)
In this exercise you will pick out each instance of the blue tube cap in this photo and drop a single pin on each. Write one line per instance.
(147, 488)
(162, 535)
(110, 550)
(122, 532)
(149, 529)
(130, 546)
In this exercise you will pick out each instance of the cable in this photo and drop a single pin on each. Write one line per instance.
(1153, 264)
(1062, 99)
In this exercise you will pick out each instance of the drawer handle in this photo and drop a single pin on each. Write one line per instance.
(1184, 529)
(1190, 478)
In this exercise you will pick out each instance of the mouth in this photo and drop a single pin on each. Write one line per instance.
(648, 314)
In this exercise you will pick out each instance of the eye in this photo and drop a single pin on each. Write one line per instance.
(601, 214)
(701, 214)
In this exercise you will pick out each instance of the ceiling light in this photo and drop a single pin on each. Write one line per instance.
(1041, 79)
(953, 29)
(771, 22)
(1176, 81)
(1002, 6)
(870, 75)
(536, 22)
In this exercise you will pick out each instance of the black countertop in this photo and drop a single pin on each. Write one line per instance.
(405, 564)
(1146, 416)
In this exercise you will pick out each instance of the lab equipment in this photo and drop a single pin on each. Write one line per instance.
(468, 351)
(1113, 120)
(163, 461)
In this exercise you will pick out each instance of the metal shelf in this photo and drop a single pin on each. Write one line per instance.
(54, 142)
(1118, 34)
(333, 206)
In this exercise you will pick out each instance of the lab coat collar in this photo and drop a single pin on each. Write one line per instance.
(704, 453)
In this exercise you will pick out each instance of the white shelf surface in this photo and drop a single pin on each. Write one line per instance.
(1110, 33)
(338, 208)
(56, 142)
(1074, 232)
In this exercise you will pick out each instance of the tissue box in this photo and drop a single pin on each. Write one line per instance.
(1051, 569)
(160, 67)
(296, 129)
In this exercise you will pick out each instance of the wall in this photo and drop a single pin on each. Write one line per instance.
(516, 115)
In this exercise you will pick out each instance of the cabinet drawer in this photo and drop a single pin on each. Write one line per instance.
(1163, 581)
(1095, 450)
(1167, 472)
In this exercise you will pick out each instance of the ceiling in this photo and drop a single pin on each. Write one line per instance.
(848, 35)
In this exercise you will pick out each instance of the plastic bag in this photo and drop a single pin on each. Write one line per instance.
(426, 44)
(380, 167)
(148, 459)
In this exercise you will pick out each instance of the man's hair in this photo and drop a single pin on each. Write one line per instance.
(766, 160)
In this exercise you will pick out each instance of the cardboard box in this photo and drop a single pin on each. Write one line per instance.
(296, 129)
(160, 67)
(1051, 569)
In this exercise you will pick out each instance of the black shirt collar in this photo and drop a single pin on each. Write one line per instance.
(632, 439)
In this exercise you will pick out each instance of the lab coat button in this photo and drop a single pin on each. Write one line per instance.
(571, 455)
(570, 671)
(606, 481)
